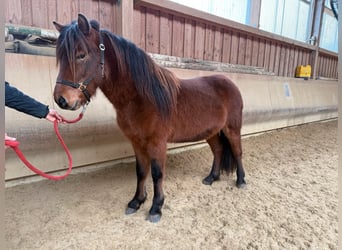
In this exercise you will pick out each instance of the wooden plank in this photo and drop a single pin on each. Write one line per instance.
(189, 38)
(327, 66)
(321, 65)
(267, 55)
(291, 65)
(52, 13)
(74, 10)
(165, 33)
(318, 67)
(286, 61)
(272, 57)
(295, 60)
(110, 19)
(249, 47)
(304, 55)
(63, 12)
(300, 57)
(334, 74)
(331, 68)
(255, 51)
(226, 46)
(143, 30)
(177, 48)
(13, 12)
(152, 31)
(242, 49)
(335, 69)
(199, 40)
(234, 48)
(138, 26)
(40, 20)
(209, 43)
(277, 59)
(26, 17)
(90, 8)
(261, 53)
(218, 44)
(331, 63)
(282, 60)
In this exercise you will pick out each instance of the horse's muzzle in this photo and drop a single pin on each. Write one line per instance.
(62, 103)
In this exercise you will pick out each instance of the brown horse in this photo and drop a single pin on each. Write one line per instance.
(153, 106)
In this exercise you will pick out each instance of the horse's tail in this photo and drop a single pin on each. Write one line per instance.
(228, 161)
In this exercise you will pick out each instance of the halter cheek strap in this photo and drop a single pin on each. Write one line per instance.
(102, 49)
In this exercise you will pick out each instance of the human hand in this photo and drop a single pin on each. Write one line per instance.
(53, 115)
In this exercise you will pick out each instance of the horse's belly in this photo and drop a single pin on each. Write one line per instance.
(189, 135)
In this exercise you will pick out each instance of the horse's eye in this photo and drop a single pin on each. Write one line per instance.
(80, 56)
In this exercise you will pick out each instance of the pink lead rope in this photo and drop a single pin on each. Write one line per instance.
(15, 146)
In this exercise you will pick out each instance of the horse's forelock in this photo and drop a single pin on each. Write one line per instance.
(68, 41)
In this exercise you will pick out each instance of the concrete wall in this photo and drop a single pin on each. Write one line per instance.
(270, 102)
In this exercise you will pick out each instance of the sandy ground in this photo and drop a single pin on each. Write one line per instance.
(290, 201)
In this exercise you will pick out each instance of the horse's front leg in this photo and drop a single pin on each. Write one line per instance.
(142, 170)
(158, 174)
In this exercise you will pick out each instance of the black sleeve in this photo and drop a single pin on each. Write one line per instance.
(16, 99)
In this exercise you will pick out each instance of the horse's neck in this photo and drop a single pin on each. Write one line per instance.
(119, 92)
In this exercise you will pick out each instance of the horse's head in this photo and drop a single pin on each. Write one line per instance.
(80, 56)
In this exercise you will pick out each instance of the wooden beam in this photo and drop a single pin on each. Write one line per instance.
(124, 21)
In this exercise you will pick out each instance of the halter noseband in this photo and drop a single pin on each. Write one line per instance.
(82, 86)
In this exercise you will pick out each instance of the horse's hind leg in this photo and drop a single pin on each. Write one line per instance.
(234, 137)
(216, 147)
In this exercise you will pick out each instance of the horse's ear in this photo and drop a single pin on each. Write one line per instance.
(58, 26)
(95, 24)
(83, 24)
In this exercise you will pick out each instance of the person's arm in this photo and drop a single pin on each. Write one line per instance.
(16, 99)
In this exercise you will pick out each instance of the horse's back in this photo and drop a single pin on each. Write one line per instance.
(212, 88)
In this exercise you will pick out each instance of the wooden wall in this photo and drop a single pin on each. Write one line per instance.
(41, 13)
(164, 27)
(168, 28)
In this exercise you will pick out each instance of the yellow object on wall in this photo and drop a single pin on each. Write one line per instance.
(303, 71)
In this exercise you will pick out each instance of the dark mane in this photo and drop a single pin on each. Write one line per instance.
(158, 84)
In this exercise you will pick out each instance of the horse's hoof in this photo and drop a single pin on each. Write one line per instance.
(209, 180)
(130, 210)
(154, 218)
(242, 185)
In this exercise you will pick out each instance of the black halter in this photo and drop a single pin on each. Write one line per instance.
(82, 86)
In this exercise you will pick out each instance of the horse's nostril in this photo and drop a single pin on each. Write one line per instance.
(62, 102)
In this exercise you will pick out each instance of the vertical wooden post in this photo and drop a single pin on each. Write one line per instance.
(315, 34)
(124, 22)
